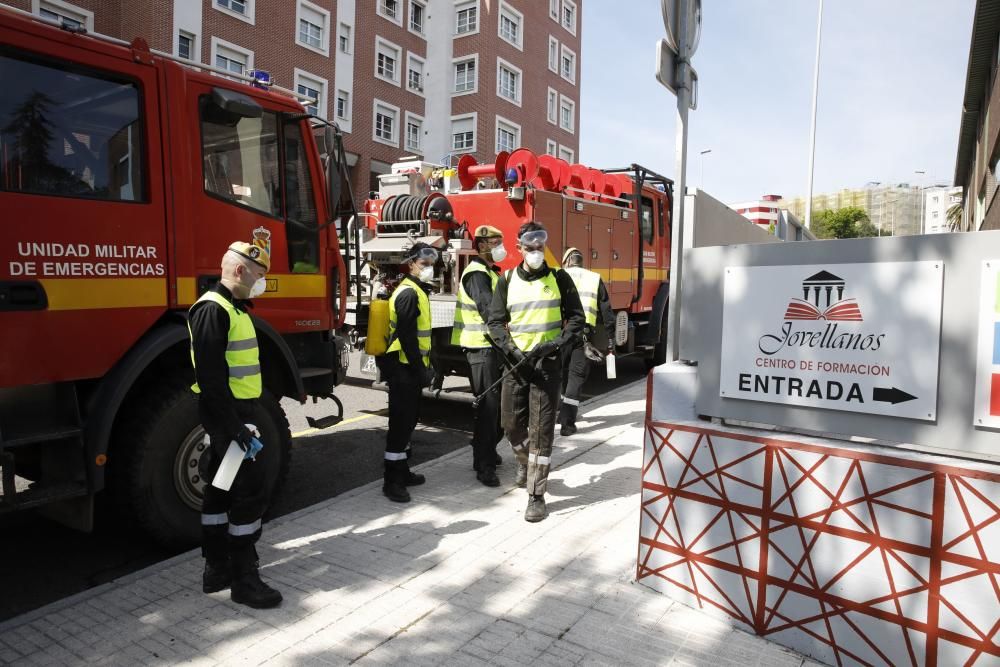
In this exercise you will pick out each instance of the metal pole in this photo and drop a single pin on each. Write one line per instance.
(680, 169)
(812, 131)
(701, 181)
(920, 191)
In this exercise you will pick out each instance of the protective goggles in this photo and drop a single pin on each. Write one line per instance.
(533, 239)
(427, 254)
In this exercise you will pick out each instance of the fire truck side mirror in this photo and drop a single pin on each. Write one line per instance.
(236, 103)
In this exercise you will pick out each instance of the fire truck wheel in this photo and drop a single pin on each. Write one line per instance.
(659, 355)
(162, 444)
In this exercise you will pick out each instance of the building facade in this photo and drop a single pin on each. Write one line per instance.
(894, 209)
(435, 79)
(938, 203)
(768, 214)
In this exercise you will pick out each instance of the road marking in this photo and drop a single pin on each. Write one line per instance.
(379, 413)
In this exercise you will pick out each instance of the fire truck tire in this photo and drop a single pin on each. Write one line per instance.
(161, 444)
(659, 355)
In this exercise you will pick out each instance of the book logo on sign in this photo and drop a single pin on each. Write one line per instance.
(820, 285)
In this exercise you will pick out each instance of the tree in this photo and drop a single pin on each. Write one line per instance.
(844, 223)
(954, 217)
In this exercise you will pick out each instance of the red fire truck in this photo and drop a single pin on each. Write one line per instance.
(124, 176)
(619, 218)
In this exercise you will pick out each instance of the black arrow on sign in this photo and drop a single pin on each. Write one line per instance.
(893, 395)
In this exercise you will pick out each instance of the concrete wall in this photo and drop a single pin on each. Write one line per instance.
(962, 255)
(709, 222)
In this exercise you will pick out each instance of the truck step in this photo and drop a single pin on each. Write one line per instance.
(314, 372)
(10, 441)
(36, 495)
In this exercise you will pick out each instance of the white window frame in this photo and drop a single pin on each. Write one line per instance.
(566, 151)
(195, 45)
(474, 117)
(463, 5)
(409, 17)
(553, 54)
(412, 57)
(554, 10)
(381, 41)
(229, 46)
(420, 135)
(347, 105)
(350, 38)
(455, 62)
(249, 17)
(324, 41)
(551, 148)
(317, 83)
(519, 81)
(571, 105)
(563, 50)
(502, 8)
(70, 11)
(376, 103)
(552, 106)
(562, 16)
(511, 125)
(400, 10)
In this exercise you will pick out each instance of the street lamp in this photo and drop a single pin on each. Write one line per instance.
(812, 131)
(701, 180)
(920, 191)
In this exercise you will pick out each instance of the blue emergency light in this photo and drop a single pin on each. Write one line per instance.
(261, 78)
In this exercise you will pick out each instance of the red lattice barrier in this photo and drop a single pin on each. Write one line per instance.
(851, 556)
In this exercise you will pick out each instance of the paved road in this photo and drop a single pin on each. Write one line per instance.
(41, 562)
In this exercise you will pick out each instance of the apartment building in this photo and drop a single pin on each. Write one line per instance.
(429, 78)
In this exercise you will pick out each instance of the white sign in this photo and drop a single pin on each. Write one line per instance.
(987, 406)
(855, 337)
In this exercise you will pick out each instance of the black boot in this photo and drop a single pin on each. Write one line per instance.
(413, 478)
(394, 482)
(567, 419)
(488, 476)
(247, 586)
(215, 549)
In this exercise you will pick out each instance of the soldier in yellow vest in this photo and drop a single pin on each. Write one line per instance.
(228, 383)
(576, 365)
(407, 366)
(535, 310)
(469, 332)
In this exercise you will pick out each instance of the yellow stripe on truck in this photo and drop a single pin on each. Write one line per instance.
(279, 286)
(93, 293)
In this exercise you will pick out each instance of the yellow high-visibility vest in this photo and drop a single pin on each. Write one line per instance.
(423, 322)
(242, 354)
(587, 284)
(469, 329)
(535, 309)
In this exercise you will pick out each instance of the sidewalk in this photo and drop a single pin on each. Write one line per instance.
(457, 577)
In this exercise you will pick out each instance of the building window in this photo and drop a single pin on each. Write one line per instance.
(508, 82)
(238, 6)
(344, 38)
(567, 113)
(569, 15)
(66, 14)
(343, 105)
(568, 68)
(508, 135)
(390, 9)
(414, 130)
(463, 133)
(552, 107)
(314, 88)
(510, 24)
(467, 18)
(241, 9)
(551, 148)
(185, 45)
(554, 10)
(387, 60)
(567, 154)
(385, 125)
(465, 75)
(553, 54)
(231, 57)
(314, 25)
(417, 13)
(415, 73)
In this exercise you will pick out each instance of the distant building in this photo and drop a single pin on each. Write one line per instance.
(894, 209)
(767, 214)
(976, 163)
(938, 201)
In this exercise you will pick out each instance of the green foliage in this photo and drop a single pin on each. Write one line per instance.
(845, 223)
(954, 217)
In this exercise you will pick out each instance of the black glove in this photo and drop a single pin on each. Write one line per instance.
(426, 376)
(515, 357)
(544, 349)
(243, 437)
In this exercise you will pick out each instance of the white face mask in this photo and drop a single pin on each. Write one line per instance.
(427, 274)
(498, 253)
(257, 288)
(534, 259)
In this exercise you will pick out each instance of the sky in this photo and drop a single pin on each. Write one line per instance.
(892, 78)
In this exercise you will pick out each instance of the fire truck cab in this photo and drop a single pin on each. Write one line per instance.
(124, 176)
